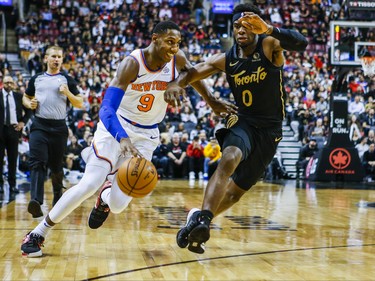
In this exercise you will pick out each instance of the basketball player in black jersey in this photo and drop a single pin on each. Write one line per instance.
(253, 68)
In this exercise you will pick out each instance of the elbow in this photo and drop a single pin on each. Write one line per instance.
(302, 45)
(80, 105)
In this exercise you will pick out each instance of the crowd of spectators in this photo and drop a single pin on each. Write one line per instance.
(97, 35)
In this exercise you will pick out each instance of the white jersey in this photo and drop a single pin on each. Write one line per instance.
(143, 102)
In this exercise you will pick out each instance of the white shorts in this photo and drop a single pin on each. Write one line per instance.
(105, 147)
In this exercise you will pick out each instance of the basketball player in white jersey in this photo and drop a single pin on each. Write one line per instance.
(133, 106)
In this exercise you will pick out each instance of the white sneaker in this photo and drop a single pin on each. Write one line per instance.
(191, 176)
(200, 175)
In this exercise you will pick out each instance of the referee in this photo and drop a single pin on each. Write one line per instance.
(49, 94)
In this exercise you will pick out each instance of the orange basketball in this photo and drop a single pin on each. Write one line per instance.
(137, 177)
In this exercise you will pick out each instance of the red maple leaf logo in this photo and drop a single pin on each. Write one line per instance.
(339, 158)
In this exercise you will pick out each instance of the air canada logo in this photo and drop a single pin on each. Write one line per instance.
(339, 158)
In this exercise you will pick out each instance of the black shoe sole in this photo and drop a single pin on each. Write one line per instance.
(34, 209)
(182, 238)
(199, 235)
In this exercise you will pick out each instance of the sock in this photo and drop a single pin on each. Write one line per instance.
(206, 216)
(42, 229)
(105, 195)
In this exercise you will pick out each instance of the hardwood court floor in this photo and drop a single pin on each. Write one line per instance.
(277, 232)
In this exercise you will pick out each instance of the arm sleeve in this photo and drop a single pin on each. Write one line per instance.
(290, 40)
(107, 113)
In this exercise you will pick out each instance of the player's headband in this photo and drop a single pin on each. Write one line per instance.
(237, 16)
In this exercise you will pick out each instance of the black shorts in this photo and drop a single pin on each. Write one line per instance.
(258, 146)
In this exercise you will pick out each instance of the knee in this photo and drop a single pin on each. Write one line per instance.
(233, 197)
(229, 162)
(85, 190)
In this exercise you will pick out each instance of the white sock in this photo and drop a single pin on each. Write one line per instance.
(43, 228)
(105, 195)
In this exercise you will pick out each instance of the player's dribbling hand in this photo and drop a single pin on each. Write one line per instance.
(254, 23)
(128, 149)
(222, 108)
(173, 93)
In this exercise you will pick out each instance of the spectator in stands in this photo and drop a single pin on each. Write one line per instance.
(362, 147)
(369, 122)
(34, 63)
(354, 127)
(198, 11)
(276, 169)
(317, 132)
(188, 115)
(371, 137)
(354, 86)
(306, 152)
(322, 105)
(195, 155)
(165, 11)
(368, 162)
(356, 107)
(178, 163)
(212, 154)
(13, 117)
(160, 156)
(73, 155)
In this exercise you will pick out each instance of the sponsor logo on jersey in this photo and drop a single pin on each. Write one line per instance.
(256, 57)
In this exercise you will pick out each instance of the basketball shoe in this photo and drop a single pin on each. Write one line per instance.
(183, 233)
(31, 245)
(198, 236)
(34, 209)
(100, 211)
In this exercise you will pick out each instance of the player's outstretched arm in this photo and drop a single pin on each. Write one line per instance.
(290, 40)
(194, 75)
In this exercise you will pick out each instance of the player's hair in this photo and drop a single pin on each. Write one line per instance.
(246, 7)
(55, 48)
(163, 26)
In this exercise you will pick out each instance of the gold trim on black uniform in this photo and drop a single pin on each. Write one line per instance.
(231, 120)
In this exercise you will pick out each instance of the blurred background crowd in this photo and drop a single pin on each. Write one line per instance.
(97, 35)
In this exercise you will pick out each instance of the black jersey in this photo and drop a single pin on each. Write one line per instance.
(257, 87)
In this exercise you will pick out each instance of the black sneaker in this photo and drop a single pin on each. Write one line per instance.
(100, 211)
(35, 209)
(31, 244)
(183, 233)
(198, 236)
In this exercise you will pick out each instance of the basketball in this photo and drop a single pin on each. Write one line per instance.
(137, 177)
